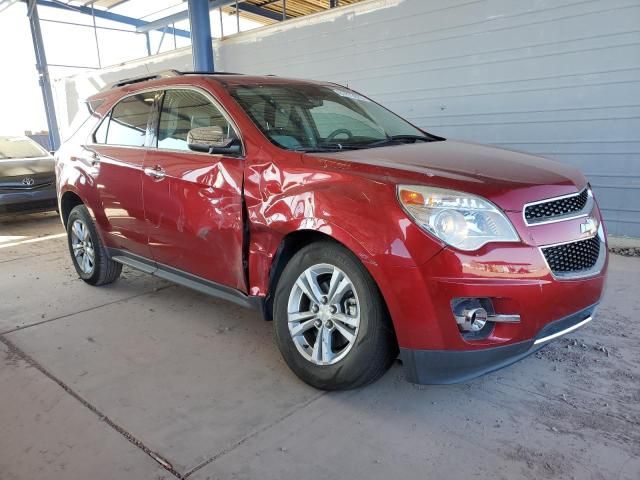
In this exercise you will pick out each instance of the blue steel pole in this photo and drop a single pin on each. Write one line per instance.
(200, 27)
(43, 74)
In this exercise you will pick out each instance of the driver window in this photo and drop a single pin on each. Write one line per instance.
(183, 110)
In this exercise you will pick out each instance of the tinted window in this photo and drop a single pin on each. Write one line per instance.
(128, 123)
(183, 110)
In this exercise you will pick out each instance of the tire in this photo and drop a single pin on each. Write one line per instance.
(99, 269)
(360, 315)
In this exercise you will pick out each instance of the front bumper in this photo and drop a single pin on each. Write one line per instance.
(454, 366)
(28, 200)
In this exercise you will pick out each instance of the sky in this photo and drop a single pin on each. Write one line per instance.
(20, 99)
(21, 105)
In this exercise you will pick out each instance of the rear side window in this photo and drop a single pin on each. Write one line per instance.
(183, 110)
(101, 133)
(127, 123)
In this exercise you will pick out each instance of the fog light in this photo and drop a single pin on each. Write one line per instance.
(473, 320)
(474, 314)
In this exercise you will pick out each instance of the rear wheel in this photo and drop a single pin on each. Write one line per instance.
(89, 256)
(330, 322)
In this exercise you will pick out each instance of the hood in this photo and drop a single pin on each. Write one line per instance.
(509, 179)
(12, 171)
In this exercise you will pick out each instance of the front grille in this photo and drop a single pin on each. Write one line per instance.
(541, 212)
(25, 188)
(573, 257)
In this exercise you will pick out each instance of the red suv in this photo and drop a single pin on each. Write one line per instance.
(359, 234)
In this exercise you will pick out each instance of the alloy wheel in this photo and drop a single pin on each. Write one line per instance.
(82, 246)
(323, 314)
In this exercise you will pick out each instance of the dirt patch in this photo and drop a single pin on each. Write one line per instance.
(12, 356)
(626, 251)
(539, 464)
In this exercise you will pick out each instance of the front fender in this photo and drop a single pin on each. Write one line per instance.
(290, 195)
(360, 212)
(266, 244)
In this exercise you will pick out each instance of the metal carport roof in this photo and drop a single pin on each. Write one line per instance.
(160, 15)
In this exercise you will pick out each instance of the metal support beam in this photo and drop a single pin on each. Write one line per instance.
(213, 4)
(43, 74)
(175, 42)
(106, 15)
(161, 40)
(221, 23)
(6, 4)
(95, 34)
(179, 16)
(263, 12)
(200, 26)
(237, 18)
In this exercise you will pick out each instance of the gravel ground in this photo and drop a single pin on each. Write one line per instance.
(626, 251)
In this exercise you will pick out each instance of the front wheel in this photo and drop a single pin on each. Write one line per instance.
(331, 324)
(89, 256)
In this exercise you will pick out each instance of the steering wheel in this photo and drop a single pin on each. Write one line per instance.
(339, 131)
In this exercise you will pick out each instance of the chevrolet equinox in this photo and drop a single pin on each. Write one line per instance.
(360, 235)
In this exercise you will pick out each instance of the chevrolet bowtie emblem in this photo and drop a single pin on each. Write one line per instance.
(590, 226)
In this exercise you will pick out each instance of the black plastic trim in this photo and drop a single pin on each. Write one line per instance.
(443, 367)
(567, 322)
(29, 206)
(186, 279)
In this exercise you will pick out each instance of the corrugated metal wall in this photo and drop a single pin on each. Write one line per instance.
(559, 78)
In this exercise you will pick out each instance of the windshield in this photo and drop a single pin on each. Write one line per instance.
(20, 147)
(311, 117)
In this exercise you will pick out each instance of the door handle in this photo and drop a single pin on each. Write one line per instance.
(156, 172)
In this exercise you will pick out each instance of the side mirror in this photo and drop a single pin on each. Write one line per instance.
(212, 140)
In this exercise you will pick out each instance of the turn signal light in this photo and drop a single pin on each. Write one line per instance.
(409, 197)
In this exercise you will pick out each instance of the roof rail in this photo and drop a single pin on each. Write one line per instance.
(206, 73)
(161, 74)
(143, 78)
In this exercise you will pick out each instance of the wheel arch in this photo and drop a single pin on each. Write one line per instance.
(68, 201)
(295, 240)
(290, 244)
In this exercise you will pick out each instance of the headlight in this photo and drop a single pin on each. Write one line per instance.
(460, 219)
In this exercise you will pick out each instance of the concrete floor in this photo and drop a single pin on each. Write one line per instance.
(146, 380)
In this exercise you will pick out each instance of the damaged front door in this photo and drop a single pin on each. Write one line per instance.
(193, 199)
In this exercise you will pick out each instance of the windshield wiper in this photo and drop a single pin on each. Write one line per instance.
(391, 140)
(333, 147)
(398, 140)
